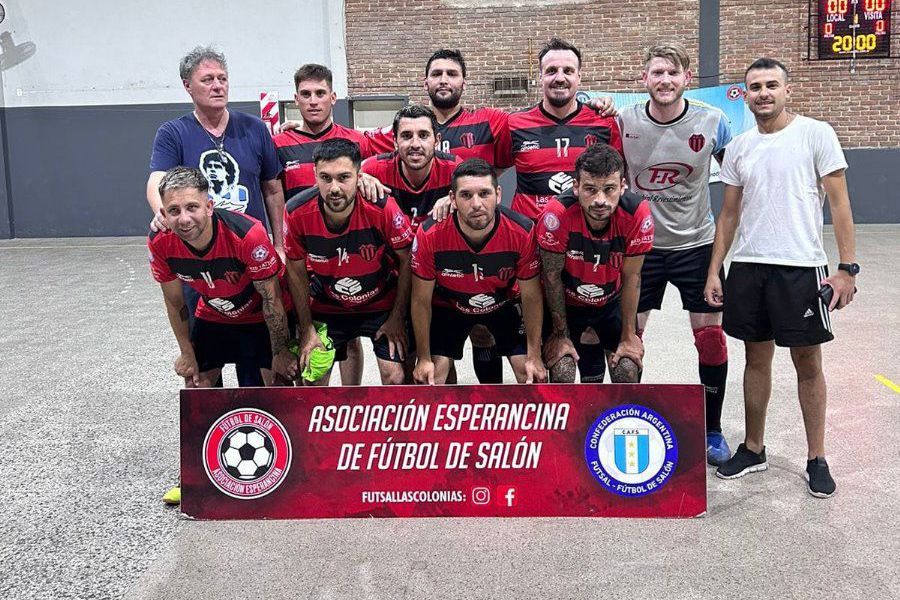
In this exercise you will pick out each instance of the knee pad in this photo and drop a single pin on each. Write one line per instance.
(711, 345)
(591, 363)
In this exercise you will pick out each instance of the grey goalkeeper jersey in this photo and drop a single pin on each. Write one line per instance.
(668, 164)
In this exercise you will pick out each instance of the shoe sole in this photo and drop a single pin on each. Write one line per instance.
(747, 470)
(814, 493)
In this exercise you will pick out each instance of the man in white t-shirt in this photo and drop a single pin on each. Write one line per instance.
(776, 177)
(668, 143)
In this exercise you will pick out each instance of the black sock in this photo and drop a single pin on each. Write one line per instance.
(713, 379)
(488, 365)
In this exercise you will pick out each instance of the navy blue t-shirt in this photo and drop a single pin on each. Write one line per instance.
(248, 157)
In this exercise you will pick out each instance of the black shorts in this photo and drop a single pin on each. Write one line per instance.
(219, 344)
(348, 326)
(766, 302)
(606, 321)
(685, 269)
(450, 329)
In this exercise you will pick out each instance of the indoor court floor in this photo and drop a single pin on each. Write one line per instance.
(89, 434)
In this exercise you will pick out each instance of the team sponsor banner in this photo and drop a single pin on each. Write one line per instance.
(728, 98)
(458, 451)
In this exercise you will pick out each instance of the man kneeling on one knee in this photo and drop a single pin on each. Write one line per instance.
(593, 239)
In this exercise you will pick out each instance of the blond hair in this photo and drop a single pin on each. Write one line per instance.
(671, 51)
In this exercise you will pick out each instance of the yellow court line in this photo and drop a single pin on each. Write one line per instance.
(887, 383)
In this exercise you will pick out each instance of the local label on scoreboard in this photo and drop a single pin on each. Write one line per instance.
(854, 29)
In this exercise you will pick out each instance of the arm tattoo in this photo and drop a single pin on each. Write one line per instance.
(275, 320)
(553, 263)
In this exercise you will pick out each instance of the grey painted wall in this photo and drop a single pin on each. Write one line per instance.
(114, 52)
(81, 171)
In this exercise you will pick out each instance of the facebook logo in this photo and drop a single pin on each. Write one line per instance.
(507, 496)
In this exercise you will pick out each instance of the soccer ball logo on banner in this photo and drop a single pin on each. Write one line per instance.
(247, 453)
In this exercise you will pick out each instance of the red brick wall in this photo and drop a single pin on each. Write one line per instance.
(863, 107)
(388, 43)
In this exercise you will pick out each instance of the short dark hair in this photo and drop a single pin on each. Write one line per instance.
(474, 167)
(414, 111)
(454, 55)
(181, 178)
(766, 63)
(599, 160)
(338, 148)
(558, 44)
(312, 72)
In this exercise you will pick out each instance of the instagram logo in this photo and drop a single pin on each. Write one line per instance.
(481, 495)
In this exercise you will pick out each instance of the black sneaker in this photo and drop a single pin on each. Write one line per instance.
(819, 481)
(743, 462)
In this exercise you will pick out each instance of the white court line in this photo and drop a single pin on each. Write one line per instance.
(71, 247)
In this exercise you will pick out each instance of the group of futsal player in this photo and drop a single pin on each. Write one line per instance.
(399, 235)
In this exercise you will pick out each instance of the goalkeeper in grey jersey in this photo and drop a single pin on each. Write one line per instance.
(668, 143)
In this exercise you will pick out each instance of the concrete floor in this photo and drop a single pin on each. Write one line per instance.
(88, 438)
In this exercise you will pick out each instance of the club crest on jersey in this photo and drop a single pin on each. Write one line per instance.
(551, 221)
(232, 277)
(260, 253)
(398, 221)
(247, 453)
(467, 139)
(696, 142)
(505, 273)
(631, 450)
(589, 140)
(646, 224)
(734, 93)
(367, 251)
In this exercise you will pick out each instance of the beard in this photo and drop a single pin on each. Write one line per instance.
(558, 101)
(445, 102)
(480, 222)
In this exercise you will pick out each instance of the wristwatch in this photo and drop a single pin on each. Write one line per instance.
(851, 268)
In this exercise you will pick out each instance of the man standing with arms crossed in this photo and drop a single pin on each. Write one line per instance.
(668, 144)
(776, 177)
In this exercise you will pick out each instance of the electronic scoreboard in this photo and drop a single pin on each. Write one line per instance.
(854, 29)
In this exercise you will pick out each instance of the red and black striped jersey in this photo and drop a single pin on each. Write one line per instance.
(480, 133)
(295, 152)
(592, 272)
(354, 269)
(544, 149)
(415, 202)
(223, 273)
(476, 280)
